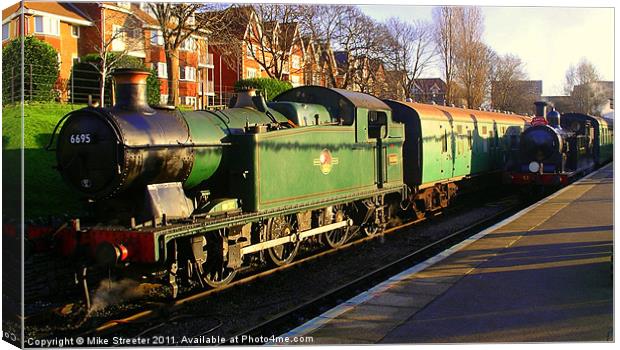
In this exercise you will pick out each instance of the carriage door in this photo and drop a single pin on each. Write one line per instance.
(377, 130)
(446, 150)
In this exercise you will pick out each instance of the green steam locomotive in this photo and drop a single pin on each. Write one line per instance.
(201, 195)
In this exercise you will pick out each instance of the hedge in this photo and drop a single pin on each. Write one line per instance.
(40, 71)
(270, 87)
(86, 79)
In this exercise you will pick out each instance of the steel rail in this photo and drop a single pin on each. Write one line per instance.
(289, 319)
(167, 309)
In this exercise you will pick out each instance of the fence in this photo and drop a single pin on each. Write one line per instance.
(38, 86)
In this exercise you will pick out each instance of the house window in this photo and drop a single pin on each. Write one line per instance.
(187, 73)
(191, 20)
(5, 31)
(189, 44)
(46, 25)
(144, 6)
(157, 38)
(75, 31)
(251, 73)
(295, 80)
(118, 38)
(248, 51)
(190, 101)
(162, 70)
(163, 99)
(296, 62)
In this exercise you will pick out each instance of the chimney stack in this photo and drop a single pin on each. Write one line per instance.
(244, 98)
(541, 108)
(130, 90)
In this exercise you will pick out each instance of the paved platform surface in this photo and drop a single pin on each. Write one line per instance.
(542, 275)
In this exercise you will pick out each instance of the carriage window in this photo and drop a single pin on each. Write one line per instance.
(484, 130)
(377, 124)
(459, 129)
(469, 139)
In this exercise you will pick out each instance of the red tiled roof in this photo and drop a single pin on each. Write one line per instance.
(143, 16)
(65, 9)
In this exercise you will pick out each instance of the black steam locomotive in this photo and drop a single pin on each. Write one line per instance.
(558, 147)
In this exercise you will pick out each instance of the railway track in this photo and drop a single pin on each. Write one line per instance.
(283, 320)
(292, 318)
(157, 315)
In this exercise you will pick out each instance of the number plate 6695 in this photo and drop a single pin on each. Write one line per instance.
(80, 138)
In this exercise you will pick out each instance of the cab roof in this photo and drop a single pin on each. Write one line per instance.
(316, 94)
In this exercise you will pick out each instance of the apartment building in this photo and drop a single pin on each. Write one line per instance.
(59, 24)
(77, 29)
(141, 37)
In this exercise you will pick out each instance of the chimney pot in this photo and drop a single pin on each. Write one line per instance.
(130, 90)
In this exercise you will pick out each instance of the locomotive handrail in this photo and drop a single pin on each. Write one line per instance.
(179, 144)
(49, 145)
(62, 120)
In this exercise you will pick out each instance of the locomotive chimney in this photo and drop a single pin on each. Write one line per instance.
(244, 98)
(130, 90)
(541, 108)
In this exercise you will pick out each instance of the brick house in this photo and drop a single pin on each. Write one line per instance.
(247, 36)
(141, 33)
(360, 73)
(290, 40)
(429, 90)
(59, 24)
(77, 29)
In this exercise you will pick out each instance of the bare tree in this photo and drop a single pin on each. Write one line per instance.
(113, 48)
(444, 34)
(356, 38)
(509, 92)
(472, 56)
(271, 41)
(580, 82)
(177, 23)
(410, 51)
(322, 23)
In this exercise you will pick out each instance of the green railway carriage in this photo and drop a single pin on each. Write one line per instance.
(602, 150)
(446, 145)
(604, 133)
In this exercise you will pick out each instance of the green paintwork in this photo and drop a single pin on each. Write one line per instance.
(283, 168)
(208, 131)
(463, 148)
(303, 114)
(606, 141)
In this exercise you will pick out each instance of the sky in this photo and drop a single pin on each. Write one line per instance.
(547, 39)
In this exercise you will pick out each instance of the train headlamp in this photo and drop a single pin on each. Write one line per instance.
(534, 167)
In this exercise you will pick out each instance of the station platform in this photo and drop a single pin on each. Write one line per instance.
(542, 275)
